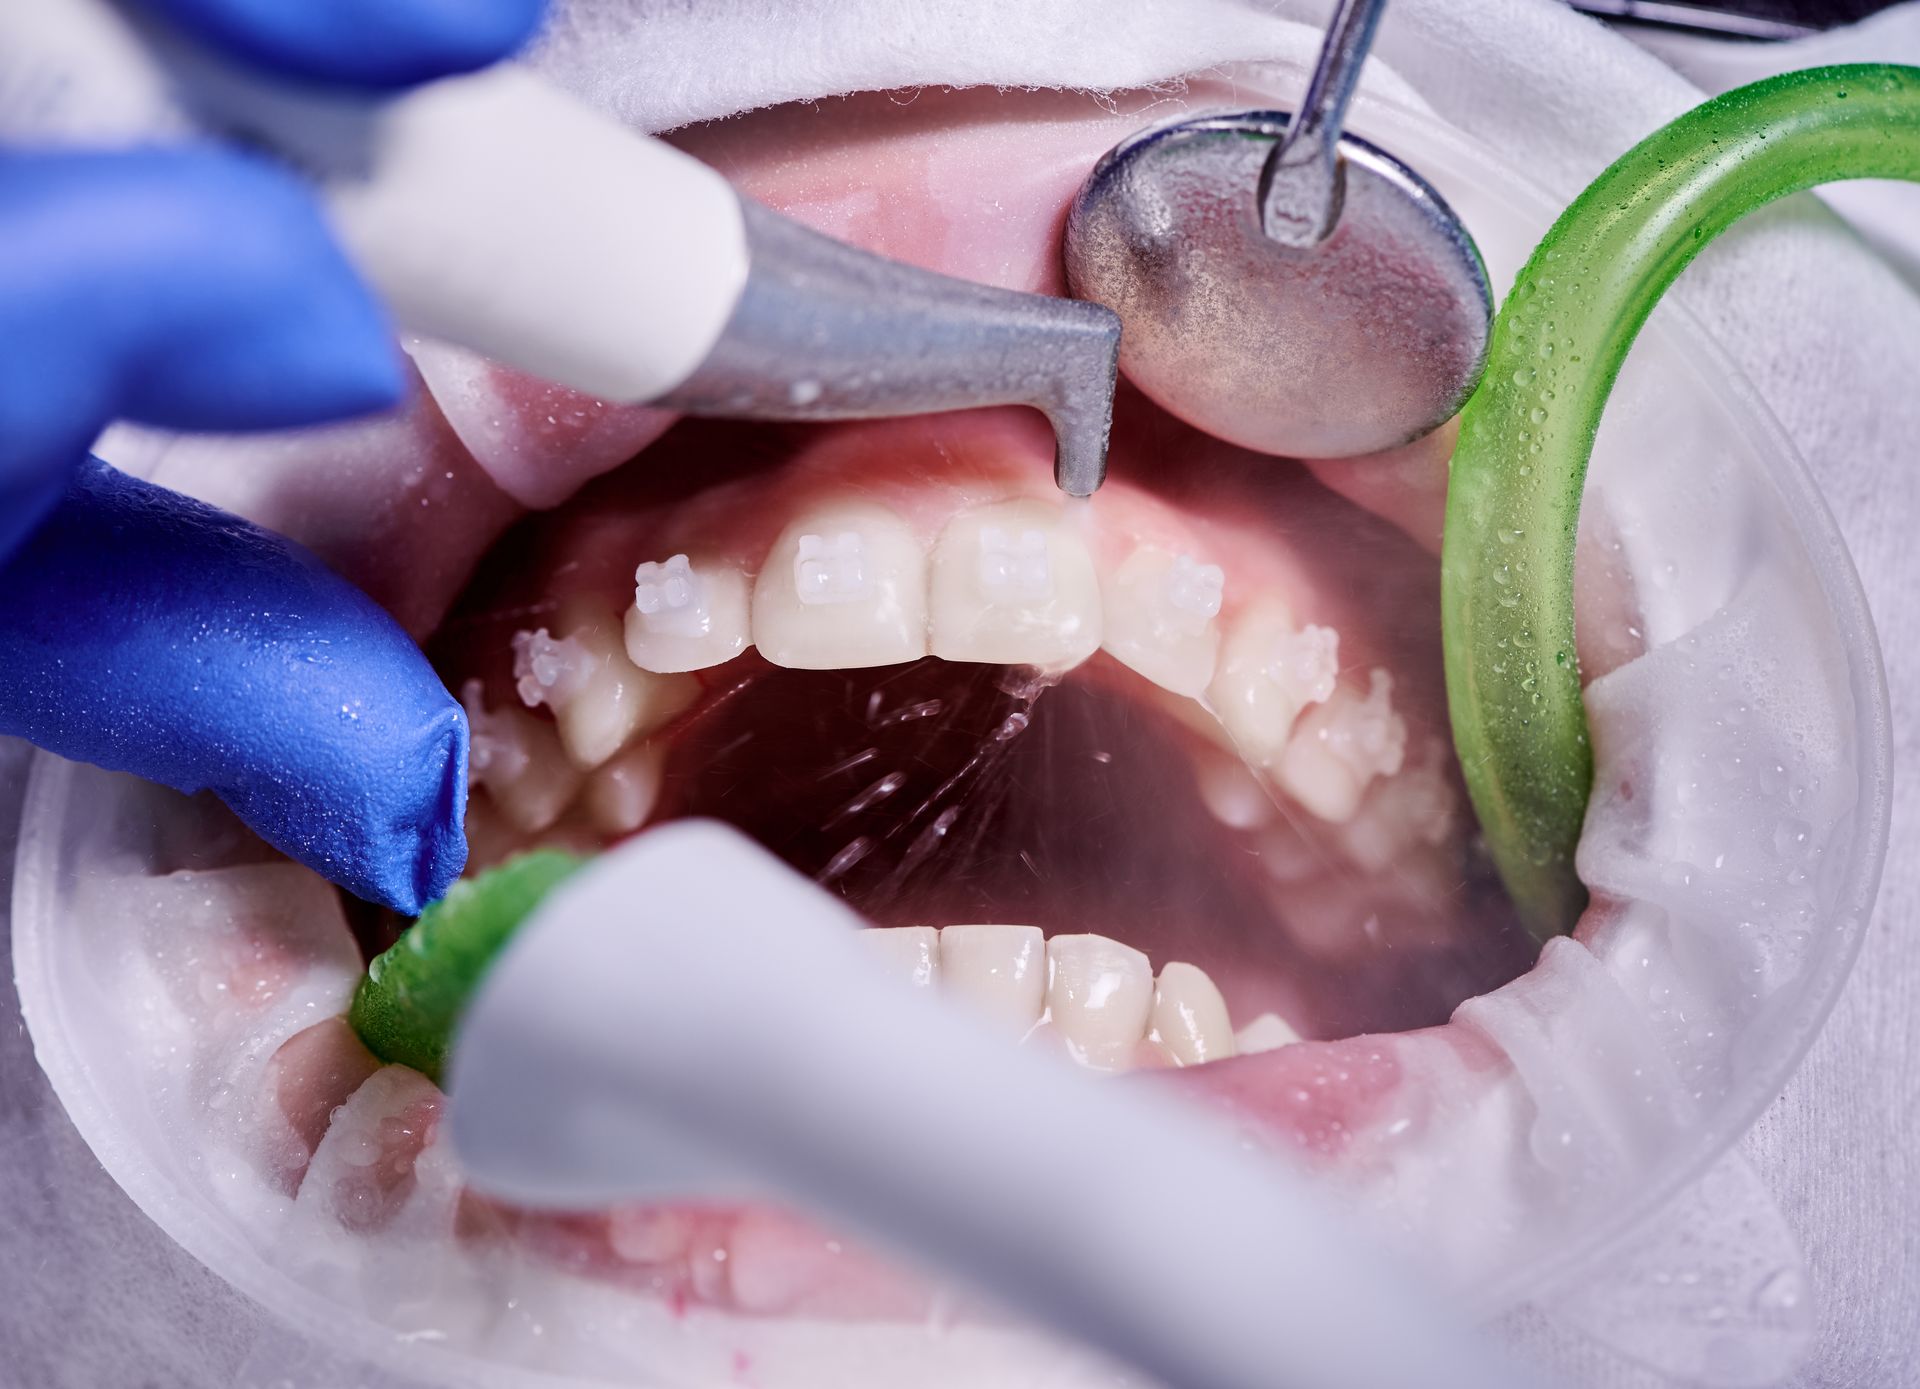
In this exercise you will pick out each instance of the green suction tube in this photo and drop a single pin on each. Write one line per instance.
(1513, 501)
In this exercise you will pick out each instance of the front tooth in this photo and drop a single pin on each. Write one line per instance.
(1341, 747)
(621, 794)
(1269, 671)
(908, 953)
(520, 762)
(1000, 970)
(1099, 998)
(686, 616)
(1159, 611)
(1013, 585)
(844, 586)
(1268, 1032)
(1190, 1017)
(600, 699)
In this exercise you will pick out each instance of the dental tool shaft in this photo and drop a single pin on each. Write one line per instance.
(827, 332)
(498, 213)
(687, 1017)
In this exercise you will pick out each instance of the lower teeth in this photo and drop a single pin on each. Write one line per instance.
(1092, 996)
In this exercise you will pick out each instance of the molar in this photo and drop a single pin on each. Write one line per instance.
(1099, 998)
(1000, 970)
(1340, 747)
(908, 953)
(686, 616)
(519, 761)
(844, 586)
(1189, 1018)
(1159, 612)
(1012, 585)
(600, 699)
(1269, 671)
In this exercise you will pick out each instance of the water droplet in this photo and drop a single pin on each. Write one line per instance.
(1537, 415)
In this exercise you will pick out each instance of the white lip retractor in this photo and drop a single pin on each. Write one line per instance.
(687, 1017)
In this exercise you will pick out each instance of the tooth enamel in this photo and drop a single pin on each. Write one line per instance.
(1189, 1017)
(600, 699)
(909, 953)
(843, 587)
(1159, 611)
(1230, 791)
(1416, 806)
(1000, 970)
(520, 762)
(1268, 1032)
(686, 616)
(1099, 998)
(1269, 671)
(1012, 585)
(1340, 747)
(621, 794)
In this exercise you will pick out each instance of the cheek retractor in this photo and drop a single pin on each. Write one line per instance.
(1513, 502)
(499, 214)
(688, 1017)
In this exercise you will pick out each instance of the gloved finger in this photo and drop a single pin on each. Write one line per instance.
(363, 43)
(146, 632)
(187, 288)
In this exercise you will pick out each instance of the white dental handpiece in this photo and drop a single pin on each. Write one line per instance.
(498, 213)
(687, 1018)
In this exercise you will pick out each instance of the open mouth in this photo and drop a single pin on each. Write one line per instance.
(1194, 729)
(1160, 781)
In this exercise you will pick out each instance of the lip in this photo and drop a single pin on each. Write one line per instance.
(58, 932)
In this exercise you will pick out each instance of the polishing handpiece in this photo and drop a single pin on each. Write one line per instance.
(687, 1018)
(498, 213)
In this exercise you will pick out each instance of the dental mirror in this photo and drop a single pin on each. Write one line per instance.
(1281, 285)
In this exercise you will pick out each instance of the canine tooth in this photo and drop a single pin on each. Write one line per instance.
(1268, 1032)
(1269, 671)
(1189, 1017)
(909, 953)
(1099, 998)
(1000, 970)
(1339, 748)
(844, 586)
(1232, 794)
(599, 698)
(621, 794)
(1013, 585)
(520, 762)
(686, 616)
(1159, 613)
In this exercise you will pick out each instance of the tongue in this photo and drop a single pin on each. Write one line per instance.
(572, 1087)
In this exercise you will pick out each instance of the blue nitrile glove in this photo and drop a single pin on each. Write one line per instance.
(196, 288)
